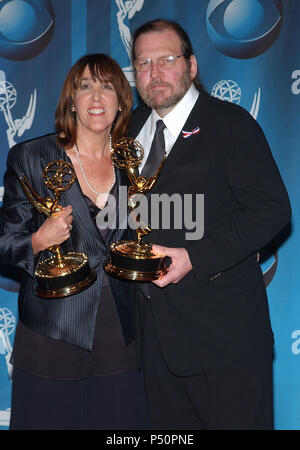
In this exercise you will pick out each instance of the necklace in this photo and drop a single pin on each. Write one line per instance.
(101, 196)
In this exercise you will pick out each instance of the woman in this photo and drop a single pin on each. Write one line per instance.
(74, 357)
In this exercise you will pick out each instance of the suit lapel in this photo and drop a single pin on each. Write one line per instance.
(198, 117)
(140, 118)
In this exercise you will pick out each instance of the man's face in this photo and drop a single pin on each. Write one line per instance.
(159, 88)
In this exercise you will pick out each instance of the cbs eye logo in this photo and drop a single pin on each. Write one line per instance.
(243, 28)
(26, 28)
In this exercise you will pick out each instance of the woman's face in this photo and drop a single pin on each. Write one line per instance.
(96, 105)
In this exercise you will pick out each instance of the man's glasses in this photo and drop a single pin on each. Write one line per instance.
(164, 63)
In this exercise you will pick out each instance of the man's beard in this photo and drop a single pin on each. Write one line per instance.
(169, 101)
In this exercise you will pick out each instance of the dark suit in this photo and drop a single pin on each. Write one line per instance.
(216, 318)
(71, 319)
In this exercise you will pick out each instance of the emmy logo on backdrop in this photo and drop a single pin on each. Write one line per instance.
(134, 260)
(126, 11)
(7, 328)
(8, 98)
(230, 91)
(62, 274)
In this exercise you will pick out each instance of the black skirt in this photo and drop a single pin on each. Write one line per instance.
(113, 402)
(57, 386)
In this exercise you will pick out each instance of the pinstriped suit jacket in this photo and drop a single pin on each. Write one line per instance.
(71, 319)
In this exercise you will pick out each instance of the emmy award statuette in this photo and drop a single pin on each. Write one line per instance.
(60, 275)
(134, 260)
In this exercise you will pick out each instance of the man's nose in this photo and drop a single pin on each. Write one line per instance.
(155, 69)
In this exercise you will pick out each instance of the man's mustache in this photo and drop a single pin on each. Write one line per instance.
(155, 83)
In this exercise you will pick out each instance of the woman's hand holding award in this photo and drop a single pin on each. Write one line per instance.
(66, 274)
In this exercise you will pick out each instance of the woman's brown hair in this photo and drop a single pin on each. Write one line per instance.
(103, 68)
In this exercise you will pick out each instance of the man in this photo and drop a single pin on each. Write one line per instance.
(206, 335)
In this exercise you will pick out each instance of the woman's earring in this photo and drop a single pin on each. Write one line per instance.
(120, 109)
(73, 108)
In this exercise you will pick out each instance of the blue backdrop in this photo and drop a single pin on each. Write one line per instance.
(248, 53)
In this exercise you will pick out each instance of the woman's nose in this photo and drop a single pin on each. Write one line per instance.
(96, 92)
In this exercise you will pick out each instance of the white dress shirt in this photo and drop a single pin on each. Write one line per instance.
(174, 122)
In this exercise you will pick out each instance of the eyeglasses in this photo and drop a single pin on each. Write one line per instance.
(164, 62)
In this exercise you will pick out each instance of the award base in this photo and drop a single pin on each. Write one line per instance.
(130, 260)
(72, 275)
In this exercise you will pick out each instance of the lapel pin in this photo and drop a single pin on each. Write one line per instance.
(187, 134)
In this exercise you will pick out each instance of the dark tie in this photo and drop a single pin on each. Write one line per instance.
(157, 151)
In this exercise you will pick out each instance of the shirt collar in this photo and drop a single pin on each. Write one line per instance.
(177, 117)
